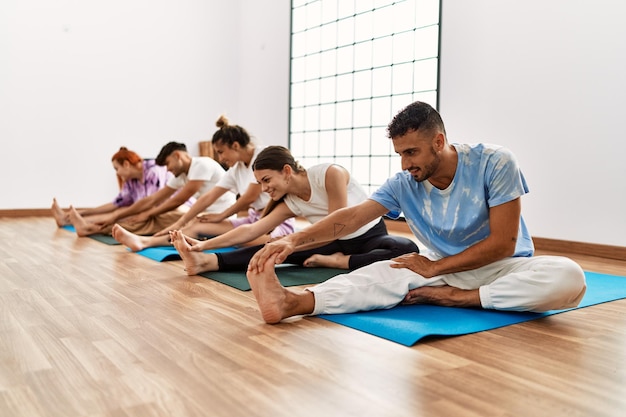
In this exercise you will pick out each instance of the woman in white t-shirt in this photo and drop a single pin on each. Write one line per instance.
(237, 151)
(311, 193)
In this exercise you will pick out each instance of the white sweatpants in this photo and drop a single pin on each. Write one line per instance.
(538, 283)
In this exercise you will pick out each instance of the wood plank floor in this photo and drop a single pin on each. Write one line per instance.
(88, 329)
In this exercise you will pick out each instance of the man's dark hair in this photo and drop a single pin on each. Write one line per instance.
(167, 151)
(415, 116)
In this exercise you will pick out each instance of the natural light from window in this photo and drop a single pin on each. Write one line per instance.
(354, 65)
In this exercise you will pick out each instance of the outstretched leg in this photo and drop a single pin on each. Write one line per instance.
(195, 262)
(59, 215)
(82, 226)
(275, 301)
(335, 260)
(136, 242)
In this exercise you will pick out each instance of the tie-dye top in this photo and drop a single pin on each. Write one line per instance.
(451, 220)
(155, 177)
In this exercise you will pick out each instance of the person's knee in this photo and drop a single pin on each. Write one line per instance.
(572, 282)
(407, 246)
(568, 287)
(401, 245)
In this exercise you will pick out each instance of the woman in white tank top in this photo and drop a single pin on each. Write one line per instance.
(294, 191)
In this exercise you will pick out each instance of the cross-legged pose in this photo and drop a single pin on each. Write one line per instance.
(235, 149)
(191, 176)
(311, 193)
(464, 203)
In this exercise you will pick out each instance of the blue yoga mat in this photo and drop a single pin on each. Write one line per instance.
(408, 324)
(108, 239)
(169, 253)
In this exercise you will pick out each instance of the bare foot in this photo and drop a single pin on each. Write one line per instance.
(336, 260)
(443, 296)
(59, 215)
(195, 262)
(195, 244)
(133, 241)
(275, 301)
(82, 226)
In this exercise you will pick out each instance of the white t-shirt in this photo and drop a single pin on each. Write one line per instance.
(239, 177)
(316, 208)
(205, 169)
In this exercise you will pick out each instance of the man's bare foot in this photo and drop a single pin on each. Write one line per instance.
(443, 296)
(195, 262)
(275, 301)
(59, 215)
(82, 226)
(336, 260)
(132, 241)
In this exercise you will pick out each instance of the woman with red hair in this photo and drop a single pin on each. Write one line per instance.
(137, 179)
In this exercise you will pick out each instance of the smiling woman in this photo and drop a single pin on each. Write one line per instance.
(236, 150)
(310, 193)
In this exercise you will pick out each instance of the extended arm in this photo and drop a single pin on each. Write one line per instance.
(204, 201)
(248, 232)
(336, 225)
(142, 205)
(104, 208)
(177, 199)
(244, 201)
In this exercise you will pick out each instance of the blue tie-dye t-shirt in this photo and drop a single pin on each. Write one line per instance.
(451, 220)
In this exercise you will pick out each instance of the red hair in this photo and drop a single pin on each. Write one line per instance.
(125, 155)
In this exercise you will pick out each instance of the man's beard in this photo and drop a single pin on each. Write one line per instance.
(429, 169)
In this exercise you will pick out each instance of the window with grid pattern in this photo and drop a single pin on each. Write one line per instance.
(354, 65)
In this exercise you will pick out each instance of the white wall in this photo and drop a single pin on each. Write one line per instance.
(80, 79)
(547, 79)
(264, 78)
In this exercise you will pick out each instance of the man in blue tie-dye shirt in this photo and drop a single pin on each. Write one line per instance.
(464, 203)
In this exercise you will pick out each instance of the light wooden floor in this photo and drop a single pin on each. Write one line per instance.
(88, 329)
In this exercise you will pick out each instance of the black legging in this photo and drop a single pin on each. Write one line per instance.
(374, 245)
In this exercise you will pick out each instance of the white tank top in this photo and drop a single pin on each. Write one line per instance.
(316, 208)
